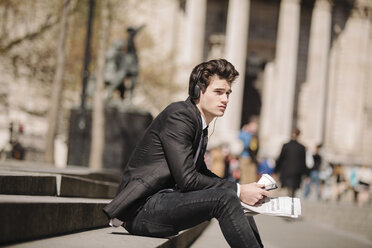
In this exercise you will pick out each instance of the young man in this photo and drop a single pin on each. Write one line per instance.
(166, 185)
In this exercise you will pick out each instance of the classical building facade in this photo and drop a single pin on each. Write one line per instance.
(305, 64)
(302, 63)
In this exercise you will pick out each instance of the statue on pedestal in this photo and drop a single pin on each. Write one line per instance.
(121, 65)
(124, 121)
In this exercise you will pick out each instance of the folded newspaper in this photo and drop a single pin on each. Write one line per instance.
(283, 206)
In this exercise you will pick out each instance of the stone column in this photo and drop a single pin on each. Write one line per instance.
(313, 92)
(235, 52)
(348, 136)
(269, 95)
(191, 44)
(195, 27)
(279, 116)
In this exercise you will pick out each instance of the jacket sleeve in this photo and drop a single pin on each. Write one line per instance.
(205, 171)
(177, 136)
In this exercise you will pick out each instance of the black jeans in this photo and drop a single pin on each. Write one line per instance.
(166, 213)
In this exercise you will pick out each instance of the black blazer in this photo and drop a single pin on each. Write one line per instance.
(163, 159)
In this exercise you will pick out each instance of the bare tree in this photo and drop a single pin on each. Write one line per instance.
(11, 11)
(98, 125)
(57, 87)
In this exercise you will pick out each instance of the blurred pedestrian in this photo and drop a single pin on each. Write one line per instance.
(365, 181)
(326, 181)
(15, 149)
(217, 159)
(354, 182)
(340, 187)
(265, 166)
(232, 163)
(291, 164)
(248, 160)
(232, 160)
(314, 174)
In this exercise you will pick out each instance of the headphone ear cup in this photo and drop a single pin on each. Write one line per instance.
(196, 93)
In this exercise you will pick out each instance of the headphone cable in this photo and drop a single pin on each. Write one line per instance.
(214, 125)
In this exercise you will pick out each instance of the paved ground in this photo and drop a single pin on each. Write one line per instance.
(279, 233)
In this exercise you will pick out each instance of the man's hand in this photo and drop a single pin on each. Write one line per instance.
(253, 192)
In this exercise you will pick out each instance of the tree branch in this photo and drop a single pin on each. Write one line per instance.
(30, 36)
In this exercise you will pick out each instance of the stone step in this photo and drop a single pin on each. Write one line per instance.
(107, 175)
(115, 238)
(28, 184)
(32, 217)
(36, 183)
(73, 186)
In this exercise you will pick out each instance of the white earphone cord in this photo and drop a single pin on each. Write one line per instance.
(214, 125)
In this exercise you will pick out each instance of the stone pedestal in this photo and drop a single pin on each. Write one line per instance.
(123, 129)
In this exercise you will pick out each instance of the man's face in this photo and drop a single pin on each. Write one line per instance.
(213, 101)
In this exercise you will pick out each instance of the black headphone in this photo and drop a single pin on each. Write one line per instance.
(194, 90)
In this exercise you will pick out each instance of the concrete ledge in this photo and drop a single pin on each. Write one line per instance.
(82, 187)
(32, 183)
(31, 217)
(107, 176)
(28, 185)
(26, 178)
(115, 238)
(39, 167)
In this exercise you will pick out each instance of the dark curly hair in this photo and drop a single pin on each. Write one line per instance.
(203, 72)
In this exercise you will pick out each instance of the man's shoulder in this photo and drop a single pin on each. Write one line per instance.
(178, 115)
(180, 107)
(177, 105)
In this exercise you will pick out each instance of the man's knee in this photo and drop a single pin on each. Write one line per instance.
(228, 203)
(228, 196)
